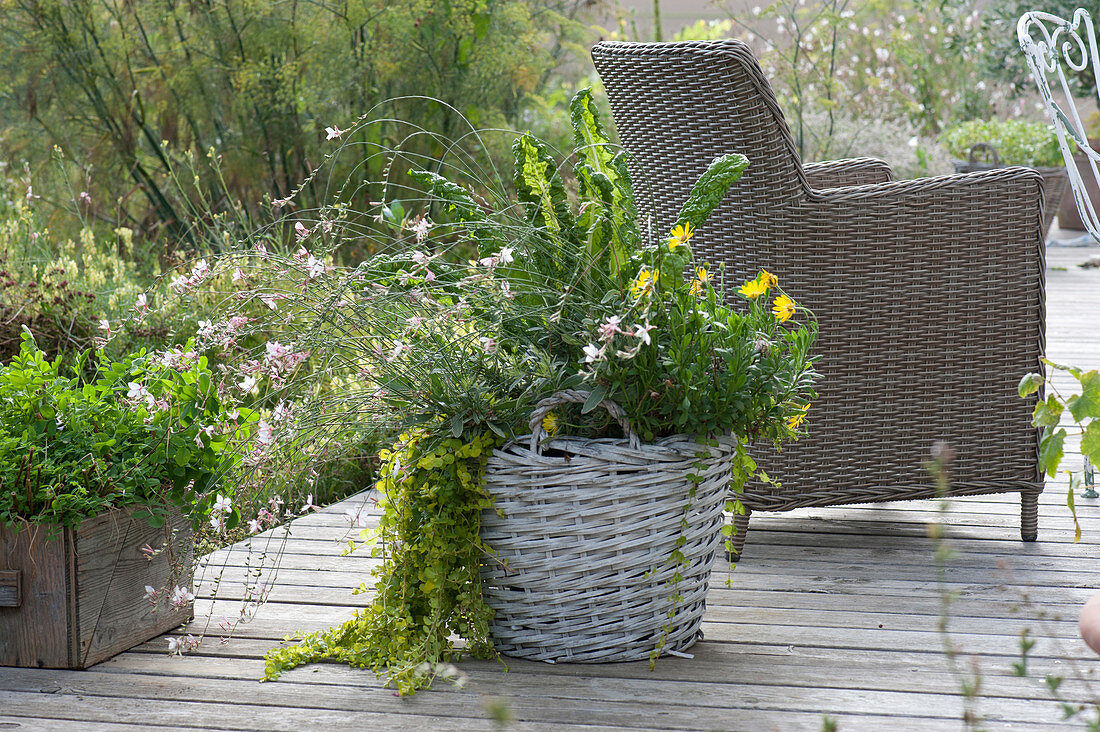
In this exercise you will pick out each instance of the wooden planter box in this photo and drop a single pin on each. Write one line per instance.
(79, 598)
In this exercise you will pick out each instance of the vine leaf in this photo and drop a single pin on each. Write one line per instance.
(1050, 450)
(1090, 442)
(1087, 403)
(1030, 384)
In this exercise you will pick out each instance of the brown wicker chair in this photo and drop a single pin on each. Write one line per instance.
(929, 292)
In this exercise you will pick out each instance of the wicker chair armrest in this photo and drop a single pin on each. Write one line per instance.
(1012, 192)
(850, 172)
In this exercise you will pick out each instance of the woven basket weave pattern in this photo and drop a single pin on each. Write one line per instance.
(582, 570)
(1055, 182)
(929, 292)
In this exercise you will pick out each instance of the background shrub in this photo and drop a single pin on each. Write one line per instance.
(173, 111)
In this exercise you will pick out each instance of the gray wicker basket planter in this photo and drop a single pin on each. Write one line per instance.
(582, 569)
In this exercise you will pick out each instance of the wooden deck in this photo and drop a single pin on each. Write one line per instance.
(833, 613)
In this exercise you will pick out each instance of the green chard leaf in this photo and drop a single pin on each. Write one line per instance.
(540, 187)
(595, 153)
(711, 187)
(459, 202)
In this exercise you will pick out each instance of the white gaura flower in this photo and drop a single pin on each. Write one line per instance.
(592, 352)
(265, 433)
(642, 331)
(222, 504)
(309, 505)
(356, 516)
(217, 522)
(420, 228)
(137, 391)
(181, 596)
(281, 411)
(208, 431)
(609, 328)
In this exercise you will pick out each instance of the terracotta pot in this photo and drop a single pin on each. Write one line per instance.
(1068, 215)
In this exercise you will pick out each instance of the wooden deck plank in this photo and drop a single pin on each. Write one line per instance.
(631, 703)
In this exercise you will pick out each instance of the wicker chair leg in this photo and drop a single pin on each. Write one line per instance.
(1029, 516)
(741, 527)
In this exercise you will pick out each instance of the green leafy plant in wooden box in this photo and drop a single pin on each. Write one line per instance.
(101, 480)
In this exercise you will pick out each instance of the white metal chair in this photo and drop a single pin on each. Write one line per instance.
(1055, 47)
(1052, 45)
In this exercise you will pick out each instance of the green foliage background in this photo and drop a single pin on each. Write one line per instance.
(1017, 142)
(144, 97)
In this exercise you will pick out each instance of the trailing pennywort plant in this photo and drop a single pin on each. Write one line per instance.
(1084, 410)
(428, 586)
(141, 431)
(483, 300)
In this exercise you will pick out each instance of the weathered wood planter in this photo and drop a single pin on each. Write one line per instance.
(79, 598)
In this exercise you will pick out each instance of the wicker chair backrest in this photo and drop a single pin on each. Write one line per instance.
(717, 96)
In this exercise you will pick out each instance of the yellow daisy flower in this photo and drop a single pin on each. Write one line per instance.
(753, 288)
(680, 235)
(783, 307)
(702, 278)
(643, 284)
(768, 278)
(795, 420)
(550, 424)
